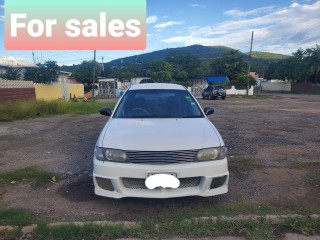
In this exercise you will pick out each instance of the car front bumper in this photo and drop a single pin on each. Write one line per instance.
(118, 180)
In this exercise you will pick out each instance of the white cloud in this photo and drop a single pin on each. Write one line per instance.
(165, 16)
(152, 19)
(15, 61)
(1, 6)
(283, 30)
(168, 24)
(254, 12)
(1, 18)
(198, 5)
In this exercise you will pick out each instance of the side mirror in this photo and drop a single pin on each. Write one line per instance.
(105, 111)
(208, 111)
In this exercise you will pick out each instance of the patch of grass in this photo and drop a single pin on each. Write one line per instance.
(16, 217)
(316, 177)
(39, 176)
(170, 229)
(314, 168)
(303, 165)
(242, 167)
(73, 232)
(10, 235)
(305, 226)
(176, 214)
(257, 96)
(17, 110)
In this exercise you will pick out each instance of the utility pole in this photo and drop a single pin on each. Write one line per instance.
(249, 64)
(102, 67)
(94, 72)
(34, 58)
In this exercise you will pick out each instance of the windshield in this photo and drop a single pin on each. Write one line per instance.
(158, 103)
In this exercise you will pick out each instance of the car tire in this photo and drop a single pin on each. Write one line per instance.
(223, 98)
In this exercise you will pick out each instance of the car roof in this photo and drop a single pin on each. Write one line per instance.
(157, 86)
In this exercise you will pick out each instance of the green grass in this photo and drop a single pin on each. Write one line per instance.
(250, 96)
(11, 235)
(304, 165)
(17, 110)
(16, 217)
(73, 232)
(37, 175)
(242, 167)
(150, 229)
(168, 225)
(306, 226)
(314, 167)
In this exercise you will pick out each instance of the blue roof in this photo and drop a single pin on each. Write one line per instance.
(216, 78)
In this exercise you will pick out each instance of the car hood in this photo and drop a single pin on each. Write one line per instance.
(159, 134)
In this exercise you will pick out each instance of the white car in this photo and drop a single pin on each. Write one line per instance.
(158, 143)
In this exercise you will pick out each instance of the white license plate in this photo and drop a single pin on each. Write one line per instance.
(154, 173)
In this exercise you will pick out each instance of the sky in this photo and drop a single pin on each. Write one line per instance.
(280, 26)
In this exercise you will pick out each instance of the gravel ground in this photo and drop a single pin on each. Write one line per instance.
(265, 138)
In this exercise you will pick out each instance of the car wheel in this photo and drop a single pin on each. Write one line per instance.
(210, 97)
(223, 98)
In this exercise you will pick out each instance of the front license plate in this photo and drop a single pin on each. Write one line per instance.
(154, 173)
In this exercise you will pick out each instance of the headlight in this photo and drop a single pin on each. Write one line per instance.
(107, 154)
(212, 154)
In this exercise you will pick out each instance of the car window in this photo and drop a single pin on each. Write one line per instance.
(219, 87)
(158, 103)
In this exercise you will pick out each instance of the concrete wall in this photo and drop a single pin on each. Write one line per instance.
(76, 90)
(276, 86)
(11, 90)
(234, 91)
(305, 87)
(48, 92)
(58, 91)
(16, 90)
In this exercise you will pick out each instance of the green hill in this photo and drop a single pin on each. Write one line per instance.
(267, 55)
(202, 52)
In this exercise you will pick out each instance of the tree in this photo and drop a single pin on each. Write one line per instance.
(84, 72)
(304, 65)
(11, 74)
(43, 73)
(231, 65)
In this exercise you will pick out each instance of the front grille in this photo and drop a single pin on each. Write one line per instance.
(164, 157)
(139, 183)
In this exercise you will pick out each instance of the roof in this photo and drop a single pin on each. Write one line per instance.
(216, 78)
(157, 86)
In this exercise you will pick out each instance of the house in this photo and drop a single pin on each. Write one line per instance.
(63, 76)
(254, 75)
(3, 70)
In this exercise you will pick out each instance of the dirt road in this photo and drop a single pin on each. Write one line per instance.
(269, 141)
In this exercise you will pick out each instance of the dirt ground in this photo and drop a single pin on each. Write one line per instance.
(269, 140)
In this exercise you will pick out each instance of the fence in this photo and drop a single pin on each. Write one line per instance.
(276, 86)
(16, 84)
(305, 87)
(16, 90)
(23, 90)
(234, 91)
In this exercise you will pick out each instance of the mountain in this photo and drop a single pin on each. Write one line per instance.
(259, 62)
(204, 53)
